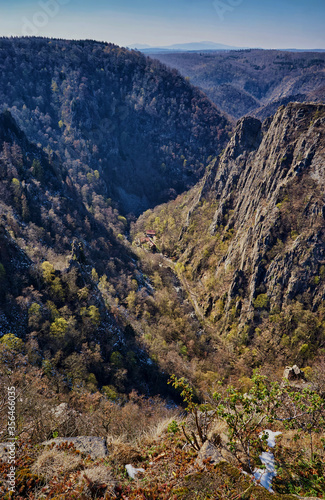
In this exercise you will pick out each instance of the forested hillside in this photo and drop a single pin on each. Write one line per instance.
(75, 297)
(92, 130)
(125, 127)
(254, 82)
(58, 306)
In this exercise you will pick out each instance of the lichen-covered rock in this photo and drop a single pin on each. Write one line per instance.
(293, 373)
(209, 452)
(93, 446)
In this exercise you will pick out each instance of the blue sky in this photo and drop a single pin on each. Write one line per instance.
(254, 23)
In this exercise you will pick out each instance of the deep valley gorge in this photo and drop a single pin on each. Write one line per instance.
(162, 263)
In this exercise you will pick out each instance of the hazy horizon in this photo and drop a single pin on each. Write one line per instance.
(269, 25)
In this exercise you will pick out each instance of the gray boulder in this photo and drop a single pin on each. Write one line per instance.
(293, 373)
(93, 446)
(209, 452)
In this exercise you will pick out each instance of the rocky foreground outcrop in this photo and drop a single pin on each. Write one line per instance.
(93, 446)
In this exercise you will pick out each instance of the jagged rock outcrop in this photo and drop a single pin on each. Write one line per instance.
(272, 197)
(269, 188)
(252, 233)
(249, 239)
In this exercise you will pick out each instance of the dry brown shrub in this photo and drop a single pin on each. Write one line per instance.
(122, 453)
(130, 420)
(96, 477)
(298, 443)
(35, 397)
(54, 461)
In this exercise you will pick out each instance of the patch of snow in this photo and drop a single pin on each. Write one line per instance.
(270, 437)
(132, 471)
(266, 475)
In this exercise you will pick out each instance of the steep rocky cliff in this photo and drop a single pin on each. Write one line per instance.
(250, 238)
(270, 189)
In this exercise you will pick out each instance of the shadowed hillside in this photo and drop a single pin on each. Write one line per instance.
(124, 126)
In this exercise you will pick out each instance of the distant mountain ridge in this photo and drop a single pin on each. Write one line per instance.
(255, 81)
(204, 46)
(186, 47)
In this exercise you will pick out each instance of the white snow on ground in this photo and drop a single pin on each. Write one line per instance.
(271, 437)
(132, 471)
(266, 475)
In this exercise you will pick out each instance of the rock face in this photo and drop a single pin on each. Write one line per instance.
(93, 446)
(251, 235)
(269, 190)
(209, 452)
(293, 373)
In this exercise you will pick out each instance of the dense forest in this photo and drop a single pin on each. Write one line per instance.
(124, 126)
(69, 276)
(71, 283)
(54, 291)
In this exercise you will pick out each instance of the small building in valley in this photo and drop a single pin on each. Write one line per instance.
(149, 239)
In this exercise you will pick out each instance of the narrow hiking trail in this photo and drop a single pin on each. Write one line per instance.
(186, 286)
